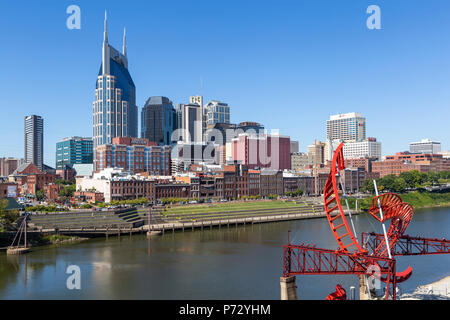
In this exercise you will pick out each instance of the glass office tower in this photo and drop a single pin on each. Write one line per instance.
(158, 120)
(73, 150)
(115, 112)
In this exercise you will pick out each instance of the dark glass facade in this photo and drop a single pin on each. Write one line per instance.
(158, 120)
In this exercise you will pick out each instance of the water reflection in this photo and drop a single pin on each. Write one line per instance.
(242, 262)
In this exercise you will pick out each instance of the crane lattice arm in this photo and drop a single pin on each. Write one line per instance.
(408, 246)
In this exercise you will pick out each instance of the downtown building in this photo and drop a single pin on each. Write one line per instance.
(115, 184)
(158, 120)
(346, 127)
(135, 155)
(9, 165)
(425, 146)
(406, 161)
(216, 112)
(34, 140)
(190, 121)
(114, 109)
(73, 150)
(369, 148)
(261, 151)
(350, 128)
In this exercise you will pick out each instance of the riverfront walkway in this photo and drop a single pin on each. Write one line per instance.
(187, 226)
(173, 218)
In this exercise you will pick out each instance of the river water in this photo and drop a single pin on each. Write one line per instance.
(243, 262)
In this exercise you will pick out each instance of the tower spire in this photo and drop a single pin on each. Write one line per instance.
(105, 33)
(124, 50)
(105, 49)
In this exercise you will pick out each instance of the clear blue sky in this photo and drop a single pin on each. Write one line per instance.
(286, 64)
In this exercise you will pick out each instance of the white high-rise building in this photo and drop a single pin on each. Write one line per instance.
(369, 148)
(346, 127)
(425, 146)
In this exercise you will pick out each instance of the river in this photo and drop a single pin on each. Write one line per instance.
(243, 262)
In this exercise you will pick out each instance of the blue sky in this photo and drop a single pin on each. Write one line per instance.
(286, 64)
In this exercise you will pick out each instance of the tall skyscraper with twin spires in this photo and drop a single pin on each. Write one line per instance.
(114, 110)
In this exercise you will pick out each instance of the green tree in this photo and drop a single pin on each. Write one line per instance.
(433, 178)
(444, 175)
(409, 179)
(387, 182)
(367, 186)
(67, 191)
(7, 217)
(399, 185)
(419, 178)
(40, 195)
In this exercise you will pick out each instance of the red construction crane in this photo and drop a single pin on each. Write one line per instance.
(377, 250)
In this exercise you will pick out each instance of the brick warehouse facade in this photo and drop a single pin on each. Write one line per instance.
(405, 161)
(135, 155)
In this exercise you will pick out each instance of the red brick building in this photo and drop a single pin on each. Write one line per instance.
(172, 190)
(364, 163)
(88, 196)
(405, 161)
(8, 190)
(132, 189)
(135, 155)
(51, 191)
(30, 179)
(38, 181)
(253, 182)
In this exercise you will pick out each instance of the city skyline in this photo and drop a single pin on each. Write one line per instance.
(79, 50)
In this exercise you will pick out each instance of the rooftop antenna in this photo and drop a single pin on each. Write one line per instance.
(124, 50)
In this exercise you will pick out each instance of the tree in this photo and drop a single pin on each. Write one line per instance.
(399, 185)
(67, 191)
(419, 178)
(40, 195)
(7, 217)
(387, 182)
(409, 179)
(367, 186)
(433, 178)
(444, 175)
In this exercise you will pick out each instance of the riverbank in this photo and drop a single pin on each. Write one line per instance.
(439, 290)
(38, 240)
(419, 200)
(61, 239)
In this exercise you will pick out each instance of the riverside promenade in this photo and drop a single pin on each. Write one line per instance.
(165, 227)
(175, 218)
(232, 222)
